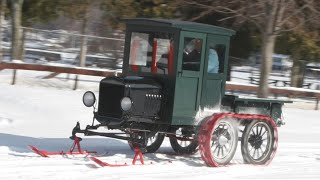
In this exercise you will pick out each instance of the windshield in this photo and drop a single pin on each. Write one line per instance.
(151, 52)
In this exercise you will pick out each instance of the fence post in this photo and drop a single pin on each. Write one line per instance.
(317, 103)
(75, 83)
(14, 77)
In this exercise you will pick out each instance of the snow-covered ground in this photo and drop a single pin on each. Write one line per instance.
(43, 112)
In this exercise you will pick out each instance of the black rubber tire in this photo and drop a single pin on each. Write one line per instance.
(247, 158)
(152, 147)
(190, 149)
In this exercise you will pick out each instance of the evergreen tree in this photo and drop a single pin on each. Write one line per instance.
(304, 47)
(116, 11)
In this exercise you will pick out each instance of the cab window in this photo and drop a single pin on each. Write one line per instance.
(151, 52)
(216, 56)
(192, 54)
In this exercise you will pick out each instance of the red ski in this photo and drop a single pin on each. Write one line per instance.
(76, 142)
(103, 164)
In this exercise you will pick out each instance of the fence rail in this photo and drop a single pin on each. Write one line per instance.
(58, 69)
(230, 86)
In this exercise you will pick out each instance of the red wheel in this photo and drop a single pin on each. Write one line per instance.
(218, 141)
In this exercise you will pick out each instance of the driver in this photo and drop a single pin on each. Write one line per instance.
(192, 55)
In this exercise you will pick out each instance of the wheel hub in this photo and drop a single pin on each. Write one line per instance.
(255, 141)
(222, 140)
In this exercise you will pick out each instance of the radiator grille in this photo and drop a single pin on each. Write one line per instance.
(109, 100)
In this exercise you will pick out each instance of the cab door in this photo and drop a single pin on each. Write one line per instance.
(188, 85)
(214, 76)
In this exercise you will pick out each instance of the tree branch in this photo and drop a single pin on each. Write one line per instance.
(292, 15)
(293, 28)
(204, 13)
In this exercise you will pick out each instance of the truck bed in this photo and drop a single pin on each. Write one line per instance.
(268, 107)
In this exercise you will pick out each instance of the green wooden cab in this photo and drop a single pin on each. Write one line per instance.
(190, 82)
(192, 59)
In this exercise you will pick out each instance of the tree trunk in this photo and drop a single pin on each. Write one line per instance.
(16, 51)
(84, 40)
(297, 73)
(2, 10)
(266, 65)
(269, 38)
(83, 48)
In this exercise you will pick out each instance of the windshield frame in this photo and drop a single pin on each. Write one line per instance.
(174, 35)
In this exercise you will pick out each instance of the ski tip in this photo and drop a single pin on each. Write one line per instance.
(103, 164)
(37, 151)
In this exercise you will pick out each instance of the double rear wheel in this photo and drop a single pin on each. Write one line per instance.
(257, 142)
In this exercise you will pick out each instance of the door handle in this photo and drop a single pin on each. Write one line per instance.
(179, 73)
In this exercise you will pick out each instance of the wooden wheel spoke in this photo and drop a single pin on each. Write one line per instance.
(260, 130)
(215, 149)
(264, 132)
(254, 152)
(251, 149)
(253, 131)
(218, 151)
(222, 153)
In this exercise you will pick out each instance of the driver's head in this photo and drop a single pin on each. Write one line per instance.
(193, 45)
(197, 44)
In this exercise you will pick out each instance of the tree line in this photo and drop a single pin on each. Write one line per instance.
(267, 26)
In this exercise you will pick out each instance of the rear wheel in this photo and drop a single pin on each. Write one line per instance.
(218, 141)
(183, 144)
(257, 142)
(224, 142)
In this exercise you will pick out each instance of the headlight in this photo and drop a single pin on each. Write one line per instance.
(89, 99)
(126, 104)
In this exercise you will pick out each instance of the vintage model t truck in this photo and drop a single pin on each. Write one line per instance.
(173, 85)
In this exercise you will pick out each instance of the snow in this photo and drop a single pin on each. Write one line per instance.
(43, 112)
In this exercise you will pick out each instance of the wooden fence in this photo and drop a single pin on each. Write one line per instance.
(230, 86)
(57, 69)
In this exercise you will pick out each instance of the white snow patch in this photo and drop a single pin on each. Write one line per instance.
(39, 110)
(204, 113)
(5, 122)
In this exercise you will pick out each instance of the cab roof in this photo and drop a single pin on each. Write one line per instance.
(182, 25)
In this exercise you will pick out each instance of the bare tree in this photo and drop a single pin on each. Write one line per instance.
(16, 45)
(2, 10)
(271, 17)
